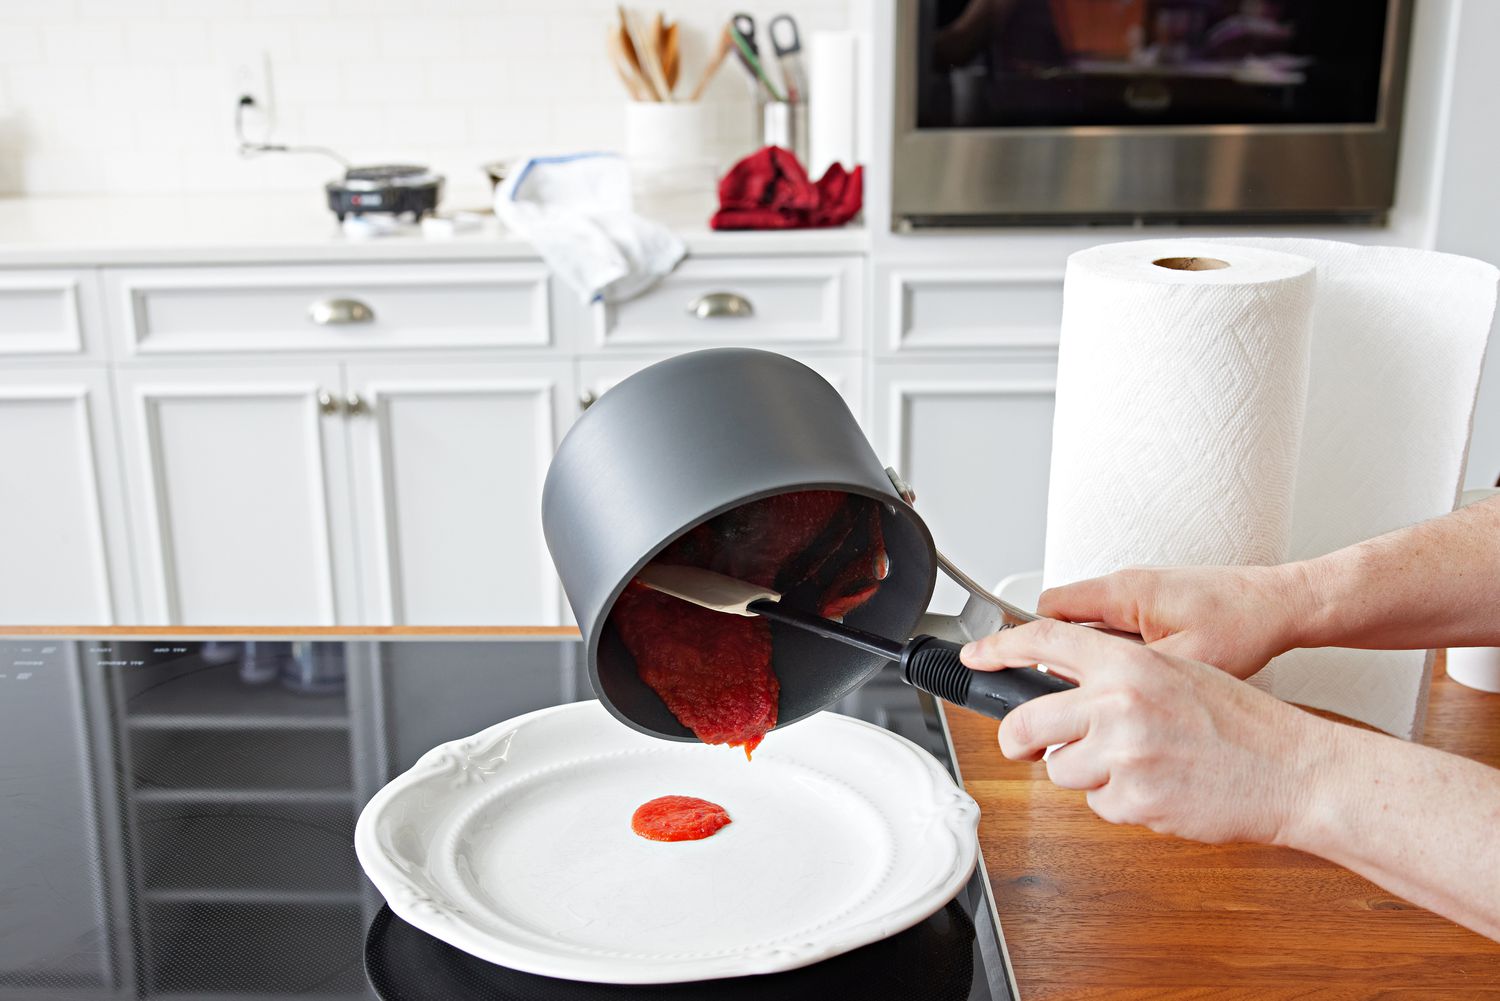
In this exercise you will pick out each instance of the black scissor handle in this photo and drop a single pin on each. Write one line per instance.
(794, 43)
(745, 25)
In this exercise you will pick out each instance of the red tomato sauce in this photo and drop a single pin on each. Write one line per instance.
(679, 818)
(714, 671)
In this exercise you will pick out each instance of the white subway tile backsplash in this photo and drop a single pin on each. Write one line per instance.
(37, 10)
(288, 8)
(40, 90)
(329, 40)
(426, 125)
(49, 173)
(386, 82)
(83, 42)
(167, 39)
(132, 85)
(20, 43)
(230, 35)
(106, 9)
(348, 127)
(136, 95)
(296, 83)
(143, 171)
(498, 132)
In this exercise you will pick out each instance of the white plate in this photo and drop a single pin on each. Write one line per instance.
(515, 845)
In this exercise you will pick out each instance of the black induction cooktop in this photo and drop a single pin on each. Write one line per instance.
(177, 821)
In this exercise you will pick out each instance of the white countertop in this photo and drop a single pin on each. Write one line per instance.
(284, 228)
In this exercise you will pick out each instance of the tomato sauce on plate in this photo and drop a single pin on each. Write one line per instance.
(679, 818)
(714, 671)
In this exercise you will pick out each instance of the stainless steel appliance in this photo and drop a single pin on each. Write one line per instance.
(174, 831)
(1119, 111)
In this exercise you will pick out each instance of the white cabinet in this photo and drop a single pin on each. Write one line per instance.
(974, 440)
(376, 307)
(448, 464)
(365, 443)
(62, 520)
(962, 309)
(238, 488)
(325, 494)
(781, 303)
(52, 313)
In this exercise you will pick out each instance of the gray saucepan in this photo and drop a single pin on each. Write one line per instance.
(688, 438)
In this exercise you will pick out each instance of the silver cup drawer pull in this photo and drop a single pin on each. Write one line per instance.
(714, 305)
(340, 312)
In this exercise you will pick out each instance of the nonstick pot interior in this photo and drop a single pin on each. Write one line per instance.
(814, 672)
(683, 441)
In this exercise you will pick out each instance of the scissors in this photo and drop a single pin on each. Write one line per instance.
(786, 42)
(748, 52)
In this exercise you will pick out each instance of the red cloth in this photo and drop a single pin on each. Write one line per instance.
(769, 190)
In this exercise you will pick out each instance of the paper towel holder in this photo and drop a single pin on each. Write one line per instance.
(1191, 263)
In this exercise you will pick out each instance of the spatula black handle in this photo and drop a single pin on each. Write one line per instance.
(933, 666)
(829, 629)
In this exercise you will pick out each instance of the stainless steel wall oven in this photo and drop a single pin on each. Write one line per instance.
(1108, 111)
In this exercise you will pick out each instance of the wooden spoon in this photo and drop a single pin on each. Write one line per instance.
(632, 55)
(646, 55)
(726, 46)
(630, 75)
(671, 56)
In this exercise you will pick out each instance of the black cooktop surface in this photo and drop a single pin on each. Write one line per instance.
(177, 821)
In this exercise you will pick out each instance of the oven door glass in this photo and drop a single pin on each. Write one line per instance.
(1056, 63)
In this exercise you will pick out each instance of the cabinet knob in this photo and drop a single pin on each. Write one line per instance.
(587, 399)
(340, 312)
(714, 305)
(354, 405)
(326, 403)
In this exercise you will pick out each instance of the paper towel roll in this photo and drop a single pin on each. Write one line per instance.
(1397, 341)
(1182, 382)
(831, 106)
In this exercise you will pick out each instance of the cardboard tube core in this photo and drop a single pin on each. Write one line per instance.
(1190, 263)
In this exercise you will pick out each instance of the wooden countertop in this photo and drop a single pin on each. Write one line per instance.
(1095, 912)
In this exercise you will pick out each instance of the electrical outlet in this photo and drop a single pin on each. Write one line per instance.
(250, 77)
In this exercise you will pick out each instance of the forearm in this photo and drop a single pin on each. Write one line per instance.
(1436, 584)
(1423, 824)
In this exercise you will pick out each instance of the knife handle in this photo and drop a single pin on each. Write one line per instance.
(933, 666)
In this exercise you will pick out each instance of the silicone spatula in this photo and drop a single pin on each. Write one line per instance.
(927, 662)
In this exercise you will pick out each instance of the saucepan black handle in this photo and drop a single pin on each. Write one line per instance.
(933, 666)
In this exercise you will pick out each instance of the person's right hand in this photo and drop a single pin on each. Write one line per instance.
(1236, 618)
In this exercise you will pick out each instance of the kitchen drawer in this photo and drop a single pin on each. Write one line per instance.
(48, 314)
(164, 311)
(786, 302)
(952, 310)
(845, 372)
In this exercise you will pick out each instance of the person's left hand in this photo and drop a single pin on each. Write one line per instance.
(1157, 740)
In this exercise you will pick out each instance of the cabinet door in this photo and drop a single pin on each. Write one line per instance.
(62, 519)
(239, 495)
(975, 442)
(448, 466)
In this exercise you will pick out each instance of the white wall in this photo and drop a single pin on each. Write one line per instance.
(134, 96)
(1468, 220)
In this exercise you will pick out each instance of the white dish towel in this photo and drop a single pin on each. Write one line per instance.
(1183, 432)
(577, 211)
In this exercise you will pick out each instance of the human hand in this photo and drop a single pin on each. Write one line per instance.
(1158, 740)
(1235, 618)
